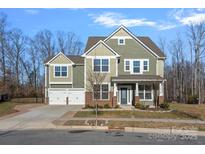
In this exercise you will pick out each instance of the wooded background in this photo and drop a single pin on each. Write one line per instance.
(22, 61)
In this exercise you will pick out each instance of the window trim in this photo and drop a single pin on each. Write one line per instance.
(121, 38)
(125, 60)
(144, 92)
(102, 92)
(54, 67)
(147, 65)
(101, 65)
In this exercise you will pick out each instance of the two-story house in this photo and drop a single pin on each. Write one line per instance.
(132, 68)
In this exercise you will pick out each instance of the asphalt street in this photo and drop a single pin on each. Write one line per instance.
(89, 137)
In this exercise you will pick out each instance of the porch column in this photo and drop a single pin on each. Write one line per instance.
(137, 99)
(115, 89)
(114, 99)
(136, 90)
(161, 92)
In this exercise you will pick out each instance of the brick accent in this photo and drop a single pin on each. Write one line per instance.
(137, 99)
(161, 99)
(112, 101)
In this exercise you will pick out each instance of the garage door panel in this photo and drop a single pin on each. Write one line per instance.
(66, 96)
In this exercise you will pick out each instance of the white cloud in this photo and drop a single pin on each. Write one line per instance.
(32, 11)
(111, 19)
(188, 16)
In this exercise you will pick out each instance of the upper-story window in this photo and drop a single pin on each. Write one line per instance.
(61, 71)
(127, 65)
(121, 41)
(101, 65)
(145, 65)
(136, 66)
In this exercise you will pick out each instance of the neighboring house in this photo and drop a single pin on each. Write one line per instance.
(134, 69)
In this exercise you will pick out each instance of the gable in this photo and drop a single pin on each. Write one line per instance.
(121, 33)
(60, 59)
(101, 50)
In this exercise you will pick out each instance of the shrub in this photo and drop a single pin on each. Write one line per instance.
(106, 106)
(141, 106)
(117, 106)
(192, 99)
(138, 105)
(164, 105)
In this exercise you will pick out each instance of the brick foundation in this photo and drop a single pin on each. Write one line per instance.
(112, 101)
(161, 99)
(137, 99)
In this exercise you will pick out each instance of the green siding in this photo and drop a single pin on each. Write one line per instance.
(132, 50)
(61, 85)
(78, 76)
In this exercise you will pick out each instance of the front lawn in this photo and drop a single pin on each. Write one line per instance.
(195, 110)
(7, 108)
(135, 114)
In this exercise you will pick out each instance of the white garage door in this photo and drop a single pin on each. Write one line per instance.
(74, 96)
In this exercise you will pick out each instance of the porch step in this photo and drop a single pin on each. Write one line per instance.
(126, 107)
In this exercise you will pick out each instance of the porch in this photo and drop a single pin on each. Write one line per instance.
(132, 89)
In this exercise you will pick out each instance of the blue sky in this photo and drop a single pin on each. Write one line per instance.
(154, 23)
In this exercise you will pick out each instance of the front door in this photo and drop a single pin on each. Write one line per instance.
(123, 95)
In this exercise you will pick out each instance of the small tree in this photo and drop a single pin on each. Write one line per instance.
(95, 80)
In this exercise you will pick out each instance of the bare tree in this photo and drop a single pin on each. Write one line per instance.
(17, 43)
(94, 82)
(3, 44)
(69, 43)
(196, 33)
(46, 44)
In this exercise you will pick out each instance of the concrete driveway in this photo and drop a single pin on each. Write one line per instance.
(37, 118)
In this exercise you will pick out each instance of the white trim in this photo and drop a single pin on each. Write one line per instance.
(124, 28)
(61, 83)
(144, 92)
(67, 89)
(94, 46)
(132, 66)
(129, 92)
(85, 74)
(54, 76)
(116, 70)
(118, 41)
(101, 99)
(125, 65)
(101, 65)
(110, 57)
(61, 64)
(117, 37)
(46, 86)
(147, 65)
(60, 53)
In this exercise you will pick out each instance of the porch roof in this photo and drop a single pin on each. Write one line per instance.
(135, 78)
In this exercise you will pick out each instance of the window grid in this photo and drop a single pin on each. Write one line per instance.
(101, 65)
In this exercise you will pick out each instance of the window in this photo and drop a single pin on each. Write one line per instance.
(97, 65)
(101, 91)
(61, 71)
(57, 71)
(105, 65)
(101, 65)
(64, 70)
(145, 65)
(136, 66)
(127, 65)
(104, 91)
(145, 92)
(121, 41)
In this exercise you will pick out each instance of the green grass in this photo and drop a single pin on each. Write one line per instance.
(7, 108)
(136, 114)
